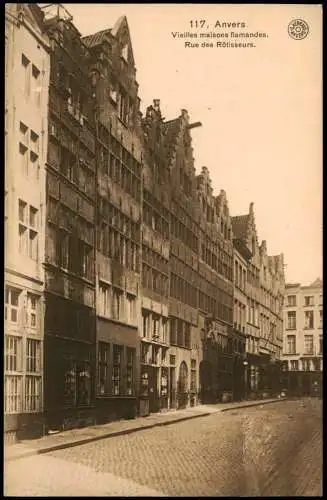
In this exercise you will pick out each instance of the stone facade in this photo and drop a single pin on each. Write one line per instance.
(260, 278)
(151, 295)
(303, 336)
(27, 67)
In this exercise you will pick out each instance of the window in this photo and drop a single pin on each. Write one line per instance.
(103, 368)
(308, 344)
(28, 236)
(320, 318)
(69, 392)
(33, 358)
(291, 320)
(6, 213)
(165, 331)
(156, 334)
(27, 78)
(83, 383)
(29, 151)
(34, 142)
(306, 365)
(22, 211)
(294, 365)
(104, 300)
(145, 329)
(129, 371)
(35, 72)
(32, 304)
(123, 106)
(291, 344)
(124, 52)
(308, 301)
(130, 303)
(13, 353)
(164, 382)
(12, 304)
(155, 355)
(308, 320)
(321, 344)
(32, 393)
(23, 129)
(13, 393)
(117, 351)
(291, 300)
(145, 353)
(116, 303)
(193, 375)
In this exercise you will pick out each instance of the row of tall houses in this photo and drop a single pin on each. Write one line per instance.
(303, 337)
(129, 287)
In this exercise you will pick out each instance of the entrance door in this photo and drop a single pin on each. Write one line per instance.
(153, 390)
(205, 381)
(183, 385)
(172, 386)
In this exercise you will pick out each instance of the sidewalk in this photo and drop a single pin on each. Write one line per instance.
(76, 437)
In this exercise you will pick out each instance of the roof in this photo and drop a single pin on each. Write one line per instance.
(96, 38)
(317, 283)
(240, 226)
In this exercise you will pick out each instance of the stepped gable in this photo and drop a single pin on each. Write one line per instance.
(240, 226)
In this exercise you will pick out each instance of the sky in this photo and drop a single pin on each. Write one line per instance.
(260, 109)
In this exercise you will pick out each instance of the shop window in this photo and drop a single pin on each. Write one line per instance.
(103, 368)
(83, 383)
(116, 369)
(144, 382)
(130, 353)
(69, 393)
(193, 376)
(164, 382)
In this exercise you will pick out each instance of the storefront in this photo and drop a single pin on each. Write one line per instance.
(69, 364)
(117, 360)
(154, 379)
(69, 378)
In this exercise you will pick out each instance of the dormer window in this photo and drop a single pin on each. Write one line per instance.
(113, 94)
(124, 52)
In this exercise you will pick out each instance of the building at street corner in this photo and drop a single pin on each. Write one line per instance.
(27, 66)
(264, 289)
(303, 338)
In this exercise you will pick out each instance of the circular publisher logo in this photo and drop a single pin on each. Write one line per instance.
(298, 29)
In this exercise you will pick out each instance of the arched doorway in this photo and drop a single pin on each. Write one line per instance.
(183, 385)
(205, 381)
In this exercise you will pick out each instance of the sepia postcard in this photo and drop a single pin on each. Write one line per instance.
(163, 311)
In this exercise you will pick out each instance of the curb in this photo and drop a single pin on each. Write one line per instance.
(255, 403)
(80, 442)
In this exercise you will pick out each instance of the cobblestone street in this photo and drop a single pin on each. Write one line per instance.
(269, 450)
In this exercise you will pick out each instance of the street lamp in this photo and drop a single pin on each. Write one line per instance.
(245, 363)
